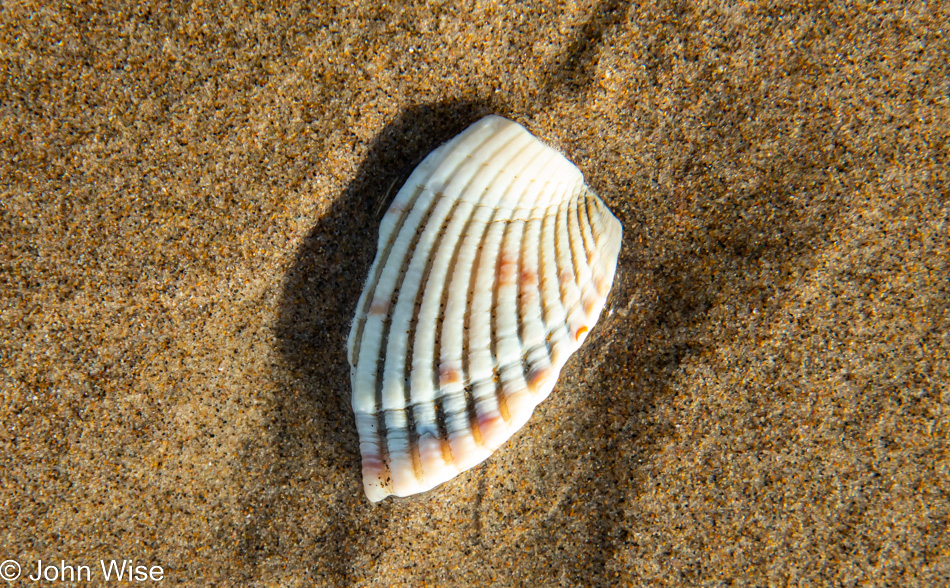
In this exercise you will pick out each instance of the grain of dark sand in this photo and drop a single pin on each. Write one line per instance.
(190, 196)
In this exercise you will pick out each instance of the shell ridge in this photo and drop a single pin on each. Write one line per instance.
(474, 244)
(509, 390)
(558, 353)
(407, 367)
(431, 285)
(554, 314)
(576, 320)
(406, 196)
(577, 244)
(599, 221)
(583, 218)
(437, 347)
(477, 406)
(537, 357)
(418, 229)
(463, 430)
(564, 280)
(521, 291)
(484, 280)
(435, 159)
(382, 428)
(384, 420)
(519, 304)
(451, 267)
(508, 221)
(412, 253)
(591, 254)
(582, 271)
(493, 349)
(439, 359)
(449, 199)
(369, 289)
(520, 276)
(594, 254)
(474, 163)
(416, 185)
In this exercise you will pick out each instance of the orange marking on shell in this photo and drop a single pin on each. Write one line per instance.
(379, 307)
(565, 277)
(503, 408)
(603, 286)
(579, 334)
(476, 432)
(396, 208)
(449, 375)
(507, 268)
(529, 278)
(589, 305)
(492, 430)
(446, 451)
(538, 377)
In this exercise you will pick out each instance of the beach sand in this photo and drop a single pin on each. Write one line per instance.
(190, 198)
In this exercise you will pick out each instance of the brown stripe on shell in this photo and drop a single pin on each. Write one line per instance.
(412, 432)
(473, 284)
(420, 296)
(386, 440)
(371, 284)
(464, 378)
(583, 219)
(528, 282)
(382, 427)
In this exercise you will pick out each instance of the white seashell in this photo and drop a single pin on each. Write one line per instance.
(494, 260)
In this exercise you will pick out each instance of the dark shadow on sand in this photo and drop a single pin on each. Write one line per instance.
(313, 443)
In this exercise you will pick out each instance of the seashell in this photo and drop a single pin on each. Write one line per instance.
(493, 263)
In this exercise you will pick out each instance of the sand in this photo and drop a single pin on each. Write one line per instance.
(190, 197)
